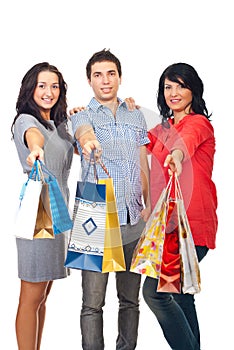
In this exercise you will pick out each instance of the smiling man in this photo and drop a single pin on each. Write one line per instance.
(119, 137)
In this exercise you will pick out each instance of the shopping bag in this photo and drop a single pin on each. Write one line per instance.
(95, 240)
(190, 272)
(86, 245)
(59, 211)
(40, 204)
(147, 256)
(27, 207)
(44, 226)
(166, 250)
(179, 269)
(113, 256)
(170, 274)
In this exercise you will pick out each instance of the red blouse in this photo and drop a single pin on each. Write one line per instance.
(194, 135)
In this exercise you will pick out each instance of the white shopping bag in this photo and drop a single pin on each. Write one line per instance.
(26, 213)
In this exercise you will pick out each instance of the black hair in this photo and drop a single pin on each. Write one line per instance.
(185, 73)
(100, 56)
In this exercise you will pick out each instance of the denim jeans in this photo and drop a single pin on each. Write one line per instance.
(128, 286)
(176, 313)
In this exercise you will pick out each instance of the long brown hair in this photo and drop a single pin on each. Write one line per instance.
(26, 104)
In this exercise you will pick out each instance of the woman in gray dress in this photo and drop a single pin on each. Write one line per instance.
(40, 131)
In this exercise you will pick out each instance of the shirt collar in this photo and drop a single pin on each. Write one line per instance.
(94, 105)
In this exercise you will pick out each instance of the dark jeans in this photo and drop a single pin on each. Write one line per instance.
(176, 313)
(94, 290)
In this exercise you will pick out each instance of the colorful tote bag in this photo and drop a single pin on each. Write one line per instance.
(147, 256)
(166, 250)
(179, 269)
(170, 274)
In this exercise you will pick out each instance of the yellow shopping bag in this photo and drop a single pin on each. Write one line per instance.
(113, 257)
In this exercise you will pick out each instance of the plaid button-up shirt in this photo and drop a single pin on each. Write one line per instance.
(121, 137)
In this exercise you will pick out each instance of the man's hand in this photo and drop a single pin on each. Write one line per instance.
(145, 213)
(90, 146)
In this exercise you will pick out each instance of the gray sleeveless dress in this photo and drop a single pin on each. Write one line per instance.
(43, 259)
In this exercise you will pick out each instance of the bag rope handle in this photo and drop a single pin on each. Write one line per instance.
(36, 169)
(94, 162)
(104, 168)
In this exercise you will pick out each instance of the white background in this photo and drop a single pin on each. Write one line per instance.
(146, 36)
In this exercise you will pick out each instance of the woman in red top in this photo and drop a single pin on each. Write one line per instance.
(183, 143)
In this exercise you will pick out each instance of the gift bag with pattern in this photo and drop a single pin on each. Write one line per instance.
(147, 256)
(86, 245)
(170, 274)
(166, 250)
(95, 241)
(179, 269)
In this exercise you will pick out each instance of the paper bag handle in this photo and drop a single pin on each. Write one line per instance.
(94, 163)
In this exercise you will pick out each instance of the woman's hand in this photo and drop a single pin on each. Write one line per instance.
(76, 110)
(174, 161)
(131, 104)
(36, 153)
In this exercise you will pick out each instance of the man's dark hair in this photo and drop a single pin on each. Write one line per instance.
(104, 55)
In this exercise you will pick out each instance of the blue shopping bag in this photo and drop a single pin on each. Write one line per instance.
(59, 211)
(86, 245)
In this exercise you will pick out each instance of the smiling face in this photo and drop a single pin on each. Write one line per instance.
(47, 91)
(105, 81)
(178, 98)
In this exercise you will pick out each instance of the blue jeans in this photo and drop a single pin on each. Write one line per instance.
(128, 286)
(176, 313)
